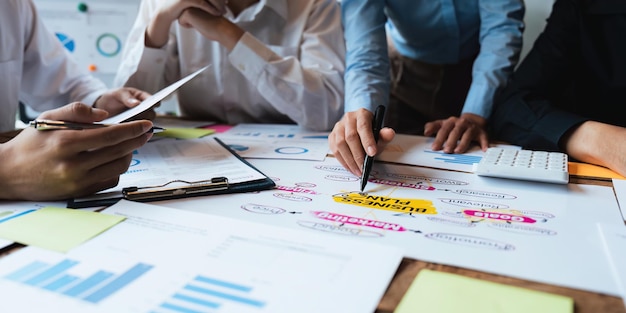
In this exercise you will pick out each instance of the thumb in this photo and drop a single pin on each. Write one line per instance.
(75, 112)
(131, 97)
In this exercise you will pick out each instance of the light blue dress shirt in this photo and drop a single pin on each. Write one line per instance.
(432, 31)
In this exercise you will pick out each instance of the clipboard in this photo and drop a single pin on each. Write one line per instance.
(177, 189)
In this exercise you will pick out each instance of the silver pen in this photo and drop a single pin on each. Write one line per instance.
(59, 125)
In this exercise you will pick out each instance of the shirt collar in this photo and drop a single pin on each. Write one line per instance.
(249, 14)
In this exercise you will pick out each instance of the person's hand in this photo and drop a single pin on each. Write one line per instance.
(169, 11)
(215, 28)
(456, 134)
(352, 136)
(119, 100)
(59, 164)
(598, 143)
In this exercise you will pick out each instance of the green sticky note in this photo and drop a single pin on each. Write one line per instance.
(439, 292)
(57, 229)
(185, 133)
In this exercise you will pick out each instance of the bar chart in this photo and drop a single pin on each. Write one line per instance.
(455, 158)
(207, 294)
(58, 278)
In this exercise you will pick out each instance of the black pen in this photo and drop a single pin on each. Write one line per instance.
(57, 125)
(377, 124)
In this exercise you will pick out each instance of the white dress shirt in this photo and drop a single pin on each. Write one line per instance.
(288, 66)
(34, 66)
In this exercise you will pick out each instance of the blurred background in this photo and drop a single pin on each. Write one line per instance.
(94, 32)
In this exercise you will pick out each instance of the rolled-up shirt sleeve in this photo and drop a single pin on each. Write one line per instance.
(367, 60)
(500, 44)
(307, 84)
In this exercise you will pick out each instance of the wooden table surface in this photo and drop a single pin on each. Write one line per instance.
(584, 301)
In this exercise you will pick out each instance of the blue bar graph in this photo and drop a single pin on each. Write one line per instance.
(88, 283)
(118, 283)
(178, 308)
(456, 158)
(60, 282)
(205, 293)
(201, 302)
(222, 283)
(225, 296)
(94, 288)
(51, 272)
(26, 271)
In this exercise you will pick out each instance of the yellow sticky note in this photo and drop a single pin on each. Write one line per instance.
(185, 133)
(57, 229)
(439, 292)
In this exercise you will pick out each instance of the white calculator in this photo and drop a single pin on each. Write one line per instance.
(550, 167)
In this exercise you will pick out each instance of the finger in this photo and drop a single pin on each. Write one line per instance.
(89, 189)
(218, 5)
(75, 112)
(106, 155)
(339, 147)
(350, 159)
(139, 94)
(465, 142)
(342, 161)
(431, 128)
(440, 136)
(354, 147)
(347, 154)
(127, 97)
(90, 139)
(386, 136)
(483, 140)
(457, 133)
(365, 135)
(113, 168)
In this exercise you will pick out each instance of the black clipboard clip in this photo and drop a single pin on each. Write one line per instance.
(160, 192)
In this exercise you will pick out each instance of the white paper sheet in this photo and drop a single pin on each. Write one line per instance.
(415, 150)
(162, 161)
(152, 100)
(535, 231)
(619, 186)
(614, 239)
(279, 142)
(159, 258)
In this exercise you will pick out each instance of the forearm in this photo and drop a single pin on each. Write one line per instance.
(228, 33)
(215, 28)
(598, 143)
(157, 32)
(5, 171)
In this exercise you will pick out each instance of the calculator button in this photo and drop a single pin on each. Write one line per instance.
(524, 165)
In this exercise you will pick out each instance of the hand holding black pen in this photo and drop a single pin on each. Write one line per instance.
(377, 124)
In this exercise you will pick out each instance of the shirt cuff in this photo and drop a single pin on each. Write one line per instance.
(91, 98)
(153, 58)
(250, 56)
(369, 102)
(479, 100)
